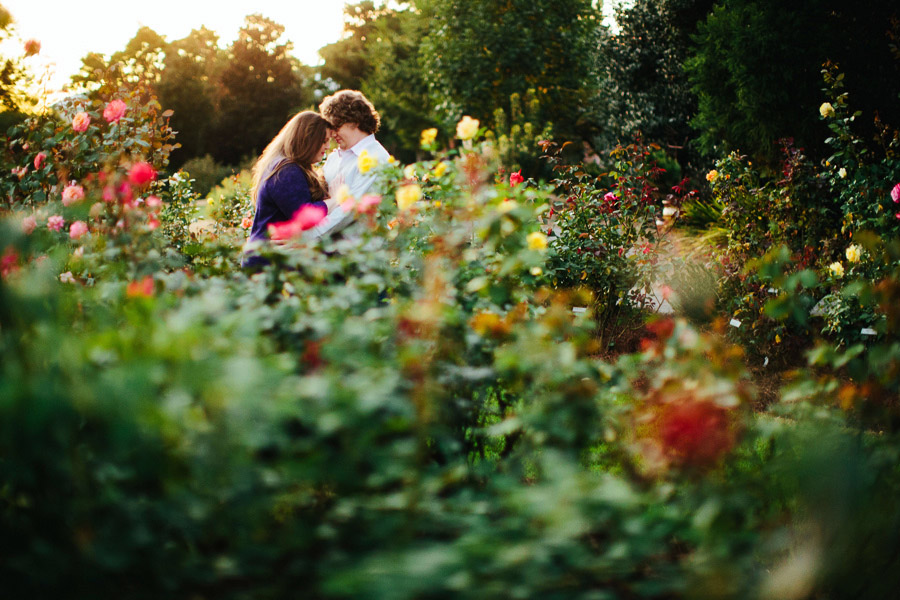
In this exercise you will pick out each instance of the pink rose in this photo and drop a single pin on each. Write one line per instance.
(20, 172)
(81, 121)
(72, 194)
(153, 202)
(114, 111)
(247, 222)
(516, 178)
(78, 229)
(55, 223)
(67, 277)
(9, 262)
(152, 222)
(367, 202)
(307, 217)
(39, 160)
(32, 47)
(28, 224)
(141, 174)
(895, 193)
(109, 194)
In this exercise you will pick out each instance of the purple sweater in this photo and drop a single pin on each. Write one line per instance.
(279, 197)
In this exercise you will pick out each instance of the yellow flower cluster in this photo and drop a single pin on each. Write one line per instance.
(853, 253)
(408, 195)
(366, 162)
(467, 128)
(537, 241)
(836, 269)
(428, 136)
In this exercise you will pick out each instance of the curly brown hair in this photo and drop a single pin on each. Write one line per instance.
(350, 106)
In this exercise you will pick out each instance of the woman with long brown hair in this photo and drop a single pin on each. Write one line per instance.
(284, 179)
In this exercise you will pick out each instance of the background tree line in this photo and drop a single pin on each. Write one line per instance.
(698, 77)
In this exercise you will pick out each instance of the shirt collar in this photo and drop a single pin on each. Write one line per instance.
(359, 146)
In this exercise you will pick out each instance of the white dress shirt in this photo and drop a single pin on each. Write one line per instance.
(341, 168)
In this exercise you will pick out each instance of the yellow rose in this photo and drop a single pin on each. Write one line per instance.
(826, 110)
(409, 171)
(537, 241)
(343, 194)
(428, 137)
(537, 271)
(440, 169)
(853, 253)
(712, 175)
(836, 269)
(507, 206)
(366, 162)
(408, 195)
(467, 128)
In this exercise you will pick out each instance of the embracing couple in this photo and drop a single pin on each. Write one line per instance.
(286, 184)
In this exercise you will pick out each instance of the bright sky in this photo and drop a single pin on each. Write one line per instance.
(70, 29)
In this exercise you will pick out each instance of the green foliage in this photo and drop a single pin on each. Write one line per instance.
(477, 54)
(412, 410)
(206, 173)
(754, 71)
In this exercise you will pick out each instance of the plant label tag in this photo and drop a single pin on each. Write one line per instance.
(868, 331)
(734, 323)
(579, 309)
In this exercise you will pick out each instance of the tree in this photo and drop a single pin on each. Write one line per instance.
(187, 85)
(480, 52)
(138, 66)
(757, 70)
(258, 89)
(348, 61)
(644, 86)
(12, 79)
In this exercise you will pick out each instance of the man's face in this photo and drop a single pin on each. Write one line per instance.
(347, 135)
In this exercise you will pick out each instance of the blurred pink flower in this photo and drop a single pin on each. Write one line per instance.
(153, 202)
(55, 223)
(152, 222)
(72, 194)
(247, 222)
(114, 111)
(141, 173)
(895, 193)
(39, 160)
(32, 47)
(67, 277)
(81, 121)
(109, 194)
(28, 224)
(20, 172)
(307, 217)
(516, 178)
(367, 202)
(78, 229)
(9, 262)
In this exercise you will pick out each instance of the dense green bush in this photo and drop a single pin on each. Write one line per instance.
(412, 409)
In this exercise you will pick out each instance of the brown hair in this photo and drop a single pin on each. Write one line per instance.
(350, 106)
(298, 142)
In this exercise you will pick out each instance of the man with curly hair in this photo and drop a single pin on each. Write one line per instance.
(354, 122)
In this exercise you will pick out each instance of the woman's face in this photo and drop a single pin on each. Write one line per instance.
(322, 150)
